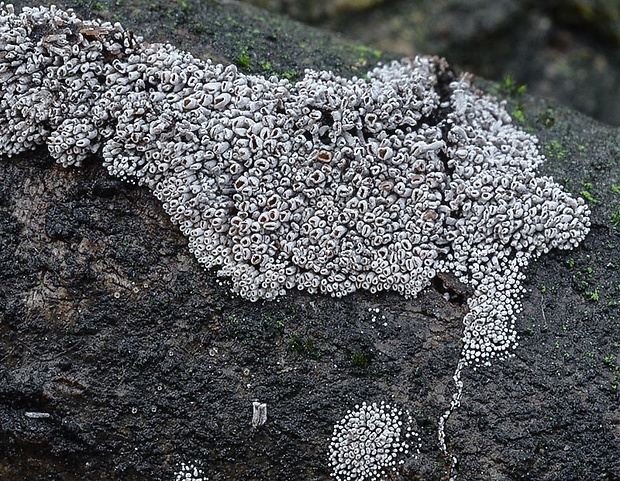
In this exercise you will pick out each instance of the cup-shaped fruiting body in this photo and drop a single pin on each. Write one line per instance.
(328, 185)
(370, 441)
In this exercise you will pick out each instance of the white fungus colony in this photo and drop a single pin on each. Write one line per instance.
(328, 185)
(370, 441)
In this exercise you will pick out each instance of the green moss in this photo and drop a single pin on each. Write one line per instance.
(303, 346)
(273, 326)
(615, 218)
(366, 55)
(185, 7)
(289, 75)
(360, 360)
(519, 115)
(510, 87)
(593, 295)
(547, 118)
(243, 59)
(555, 149)
(586, 194)
(199, 28)
(548, 289)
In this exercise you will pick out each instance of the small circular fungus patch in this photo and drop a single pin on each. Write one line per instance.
(370, 441)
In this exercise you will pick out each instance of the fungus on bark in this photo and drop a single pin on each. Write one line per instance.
(328, 185)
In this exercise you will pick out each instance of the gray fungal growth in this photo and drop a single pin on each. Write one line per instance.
(329, 185)
(369, 442)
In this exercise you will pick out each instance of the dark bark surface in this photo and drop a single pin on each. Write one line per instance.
(140, 360)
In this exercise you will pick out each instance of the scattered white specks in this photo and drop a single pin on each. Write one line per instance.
(190, 472)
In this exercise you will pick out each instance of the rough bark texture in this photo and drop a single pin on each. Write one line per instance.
(144, 361)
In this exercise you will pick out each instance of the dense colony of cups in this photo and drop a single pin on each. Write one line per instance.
(370, 441)
(326, 185)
